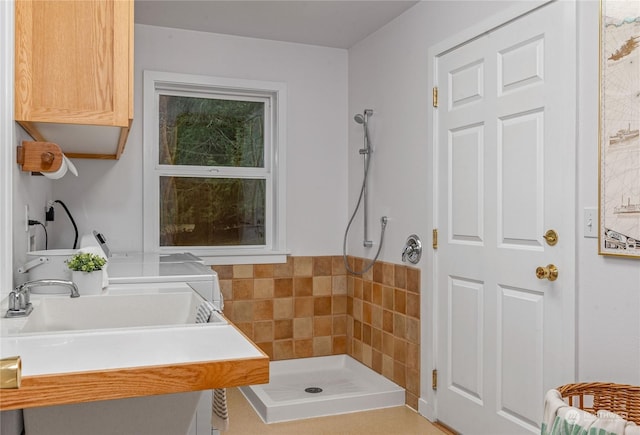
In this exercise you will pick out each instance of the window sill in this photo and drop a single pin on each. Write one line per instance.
(244, 258)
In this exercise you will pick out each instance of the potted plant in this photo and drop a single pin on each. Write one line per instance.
(86, 272)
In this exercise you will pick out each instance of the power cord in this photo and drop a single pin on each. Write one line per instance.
(49, 216)
(46, 236)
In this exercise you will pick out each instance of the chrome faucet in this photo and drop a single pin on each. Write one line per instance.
(20, 298)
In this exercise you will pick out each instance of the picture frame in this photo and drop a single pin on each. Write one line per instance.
(619, 129)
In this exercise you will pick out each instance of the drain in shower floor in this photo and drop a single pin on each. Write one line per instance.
(313, 390)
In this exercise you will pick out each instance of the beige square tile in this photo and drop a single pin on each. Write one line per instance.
(366, 334)
(283, 270)
(388, 271)
(413, 381)
(413, 279)
(242, 311)
(322, 346)
(376, 339)
(302, 266)
(400, 350)
(339, 285)
(339, 304)
(367, 355)
(303, 327)
(413, 305)
(262, 331)
(357, 330)
(413, 356)
(263, 288)
(226, 288)
(400, 277)
(387, 298)
(339, 325)
(242, 271)
(283, 308)
(356, 351)
(399, 325)
(322, 285)
(387, 367)
(376, 316)
(412, 330)
(283, 349)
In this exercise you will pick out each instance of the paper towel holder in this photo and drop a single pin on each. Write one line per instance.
(37, 156)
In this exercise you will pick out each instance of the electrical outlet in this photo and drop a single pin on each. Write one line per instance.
(590, 222)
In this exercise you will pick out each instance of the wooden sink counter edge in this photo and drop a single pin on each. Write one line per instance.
(79, 387)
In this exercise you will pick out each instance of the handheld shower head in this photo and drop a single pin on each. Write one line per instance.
(361, 118)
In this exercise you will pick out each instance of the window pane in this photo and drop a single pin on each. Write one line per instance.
(211, 132)
(212, 211)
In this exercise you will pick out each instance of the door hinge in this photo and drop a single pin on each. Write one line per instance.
(435, 96)
(434, 241)
(434, 379)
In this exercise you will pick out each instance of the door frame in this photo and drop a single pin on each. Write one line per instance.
(427, 404)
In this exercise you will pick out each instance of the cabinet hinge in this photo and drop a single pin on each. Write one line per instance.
(434, 241)
(435, 96)
(434, 379)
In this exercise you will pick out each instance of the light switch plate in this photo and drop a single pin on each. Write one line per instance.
(590, 222)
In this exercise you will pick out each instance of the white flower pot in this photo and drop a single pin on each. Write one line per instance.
(89, 283)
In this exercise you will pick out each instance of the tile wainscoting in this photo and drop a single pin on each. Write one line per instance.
(311, 306)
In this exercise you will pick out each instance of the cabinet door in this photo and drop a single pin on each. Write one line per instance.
(73, 61)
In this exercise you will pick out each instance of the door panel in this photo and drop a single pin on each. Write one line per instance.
(505, 158)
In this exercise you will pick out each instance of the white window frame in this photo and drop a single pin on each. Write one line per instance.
(273, 172)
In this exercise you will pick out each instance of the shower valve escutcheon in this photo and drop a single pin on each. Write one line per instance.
(412, 250)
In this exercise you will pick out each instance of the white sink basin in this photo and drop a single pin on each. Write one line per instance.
(60, 313)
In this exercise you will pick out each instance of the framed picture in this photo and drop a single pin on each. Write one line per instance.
(619, 190)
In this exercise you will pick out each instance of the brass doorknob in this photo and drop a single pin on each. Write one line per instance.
(549, 272)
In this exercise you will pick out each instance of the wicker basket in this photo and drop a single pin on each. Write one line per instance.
(592, 397)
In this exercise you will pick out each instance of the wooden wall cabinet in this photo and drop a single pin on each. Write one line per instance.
(74, 74)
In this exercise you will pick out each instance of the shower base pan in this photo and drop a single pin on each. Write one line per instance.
(320, 386)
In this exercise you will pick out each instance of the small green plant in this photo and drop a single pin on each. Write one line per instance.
(86, 262)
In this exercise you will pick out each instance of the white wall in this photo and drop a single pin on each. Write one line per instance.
(388, 73)
(108, 195)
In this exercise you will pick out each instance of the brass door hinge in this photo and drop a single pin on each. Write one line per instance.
(434, 379)
(435, 96)
(434, 241)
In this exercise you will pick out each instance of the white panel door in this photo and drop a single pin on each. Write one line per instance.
(506, 156)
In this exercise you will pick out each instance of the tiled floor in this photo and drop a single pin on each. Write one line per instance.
(400, 420)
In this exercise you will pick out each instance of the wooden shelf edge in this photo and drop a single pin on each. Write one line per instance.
(79, 387)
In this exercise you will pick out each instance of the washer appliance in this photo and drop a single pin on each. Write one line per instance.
(130, 270)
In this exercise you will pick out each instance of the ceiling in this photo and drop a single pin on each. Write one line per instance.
(329, 23)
